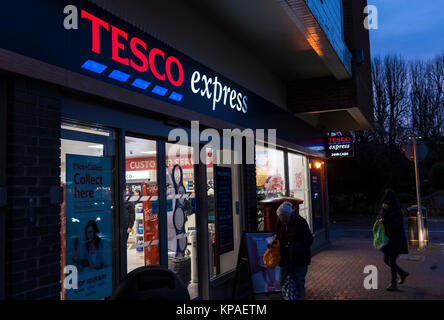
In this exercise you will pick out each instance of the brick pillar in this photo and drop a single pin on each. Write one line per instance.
(32, 248)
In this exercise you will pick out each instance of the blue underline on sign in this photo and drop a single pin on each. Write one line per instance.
(94, 66)
(119, 76)
(176, 96)
(141, 84)
(160, 90)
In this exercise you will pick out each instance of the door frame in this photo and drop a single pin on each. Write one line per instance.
(201, 219)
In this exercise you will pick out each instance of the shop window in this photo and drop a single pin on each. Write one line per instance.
(224, 212)
(270, 176)
(87, 157)
(298, 176)
(141, 203)
(181, 216)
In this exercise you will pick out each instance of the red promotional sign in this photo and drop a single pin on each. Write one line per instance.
(150, 163)
(150, 226)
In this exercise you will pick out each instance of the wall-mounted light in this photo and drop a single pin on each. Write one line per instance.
(318, 164)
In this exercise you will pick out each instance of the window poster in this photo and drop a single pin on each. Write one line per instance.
(88, 226)
(270, 173)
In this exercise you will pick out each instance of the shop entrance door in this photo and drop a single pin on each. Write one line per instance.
(147, 242)
(87, 212)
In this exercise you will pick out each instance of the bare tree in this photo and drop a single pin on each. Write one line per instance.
(395, 76)
(379, 100)
(426, 98)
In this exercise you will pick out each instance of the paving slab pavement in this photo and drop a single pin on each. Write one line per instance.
(337, 273)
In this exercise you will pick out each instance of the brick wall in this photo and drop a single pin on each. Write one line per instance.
(33, 165)
(322, 94)
(329, 15)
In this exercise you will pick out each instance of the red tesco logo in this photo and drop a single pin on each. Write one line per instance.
(145, 59)
(339, 139)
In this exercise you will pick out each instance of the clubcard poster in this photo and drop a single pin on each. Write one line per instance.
(88, 225)
(264, 280)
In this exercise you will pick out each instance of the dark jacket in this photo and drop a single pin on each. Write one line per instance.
(394, 229)
(297, 234)
(130, 214)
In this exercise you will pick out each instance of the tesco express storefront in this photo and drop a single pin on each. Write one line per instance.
(120, 92)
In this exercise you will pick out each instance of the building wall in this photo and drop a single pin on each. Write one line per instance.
(176, 24)
(356, 36)
(328, 13)
(32, 248)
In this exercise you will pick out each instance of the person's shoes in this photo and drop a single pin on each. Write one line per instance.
(402, 278)
(392, 287)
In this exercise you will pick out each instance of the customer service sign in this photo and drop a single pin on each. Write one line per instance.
(88, 239)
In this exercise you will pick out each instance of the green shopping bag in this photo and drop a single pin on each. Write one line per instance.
(380, 239)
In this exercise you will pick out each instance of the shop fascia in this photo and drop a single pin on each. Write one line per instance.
(214, 141)
(143, 60)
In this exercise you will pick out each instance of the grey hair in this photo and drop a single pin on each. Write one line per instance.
(286, 208)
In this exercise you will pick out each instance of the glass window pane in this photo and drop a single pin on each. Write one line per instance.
(181, 216)
(270, 176)
(87, 211)
(299, 183)
(141, 203)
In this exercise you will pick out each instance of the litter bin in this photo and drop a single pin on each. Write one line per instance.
(270, 207)
(151, 283)
(413, 225)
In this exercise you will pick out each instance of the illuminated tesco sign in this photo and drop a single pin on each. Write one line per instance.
(67, 38)
(339, 147)
(136, 54)
(144, 58)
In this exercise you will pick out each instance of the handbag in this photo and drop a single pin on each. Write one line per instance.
(380, 239)
(272, 255)
(289, 289)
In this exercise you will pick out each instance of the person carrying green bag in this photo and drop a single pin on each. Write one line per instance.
(392, 219)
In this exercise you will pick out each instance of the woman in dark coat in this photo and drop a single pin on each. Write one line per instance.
(393, 221)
